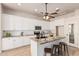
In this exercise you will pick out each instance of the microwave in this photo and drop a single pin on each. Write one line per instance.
(38, 28)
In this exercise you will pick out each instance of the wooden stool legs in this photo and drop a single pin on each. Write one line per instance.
(63, 49)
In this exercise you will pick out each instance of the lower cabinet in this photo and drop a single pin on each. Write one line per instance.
(17, 42)
(26, 41)
(7, 43)
(14, 42)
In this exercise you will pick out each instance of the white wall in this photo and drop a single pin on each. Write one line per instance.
(0, 26)
(72, 18)
(55, 23)
(63, 20)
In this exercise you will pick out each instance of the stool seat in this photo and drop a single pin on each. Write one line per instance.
(47, 50)
(62, 43)
(56, 46)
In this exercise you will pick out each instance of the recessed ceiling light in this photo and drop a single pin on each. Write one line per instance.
(35, 10)
(19, 4)
(57, 8)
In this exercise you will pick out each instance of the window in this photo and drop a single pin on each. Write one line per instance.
(59, 30)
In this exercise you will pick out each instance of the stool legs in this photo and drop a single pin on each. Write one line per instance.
(64, 48)
(67, 50)
(55, 50)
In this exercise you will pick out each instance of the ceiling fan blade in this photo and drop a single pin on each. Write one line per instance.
(54, 13)
(41, 12)
(51, 16)
(60, 14)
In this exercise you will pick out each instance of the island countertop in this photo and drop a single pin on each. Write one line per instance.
(47, 40)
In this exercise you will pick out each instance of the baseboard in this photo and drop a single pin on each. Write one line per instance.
(73, 46)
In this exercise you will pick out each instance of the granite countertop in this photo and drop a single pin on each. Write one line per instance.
(47, 40)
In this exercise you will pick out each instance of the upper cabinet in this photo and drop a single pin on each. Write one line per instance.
(13, 22)
(7, 22)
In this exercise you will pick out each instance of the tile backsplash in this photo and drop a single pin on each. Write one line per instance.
(18, 32)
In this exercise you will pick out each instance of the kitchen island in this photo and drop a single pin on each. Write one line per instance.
(38, 45)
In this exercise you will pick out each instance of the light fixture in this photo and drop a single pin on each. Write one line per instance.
(57, 9)
(47, 16)
(35, 10)
(19, 4)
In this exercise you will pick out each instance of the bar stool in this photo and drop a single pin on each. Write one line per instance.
(55, 50)
(63, 49)
(47, 50)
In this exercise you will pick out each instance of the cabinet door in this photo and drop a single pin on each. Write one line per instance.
(11, 22)
(7, 43)
(18, 42)
(7, 22)
(26, 40)
(17, 23)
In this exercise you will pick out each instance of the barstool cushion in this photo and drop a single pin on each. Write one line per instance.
(47, 50)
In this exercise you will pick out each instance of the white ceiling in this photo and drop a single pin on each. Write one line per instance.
(30, 7)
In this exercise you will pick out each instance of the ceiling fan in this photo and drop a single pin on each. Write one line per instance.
(47, 16)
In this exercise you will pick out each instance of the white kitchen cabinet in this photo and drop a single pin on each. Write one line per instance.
(7, 43)
(17, 23)
(7, 22)
(26, 40)
(27, 24)
(13, 22)
(14, 42)
(17, 42)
